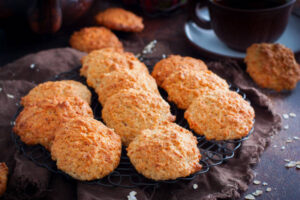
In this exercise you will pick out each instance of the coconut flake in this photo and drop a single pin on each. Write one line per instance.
(10, 96)
(264, 183)
(195, 186)
(296, 138)
(293, 115)
(291, 164)
(0, 89)
(268, 189)
(256, 182)
(249, 197)
(297, 166)
(286, 127)
(163, 56)
(132, 196)
(282, 148)
(274, 145)
(287, 160)
(257, 193)
(285, 116)
(32, 66)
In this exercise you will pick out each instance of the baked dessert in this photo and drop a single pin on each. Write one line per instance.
(94, 38)
(3, 178)
(185, 85)
(120, 20)
(131, 111)
(220, 115)
(174, 63)
(112, 83)
(100, 62)
(272, 66)
(86, 149)
(164, 153)
(50, 89)
(92, 57)
(37, 124)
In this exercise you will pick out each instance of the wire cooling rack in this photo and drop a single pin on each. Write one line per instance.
(213, 152)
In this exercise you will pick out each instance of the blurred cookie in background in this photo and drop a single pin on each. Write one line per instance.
(272, 66)
(94, 38)
(120, 20)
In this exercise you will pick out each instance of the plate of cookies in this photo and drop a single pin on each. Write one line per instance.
(110, 122)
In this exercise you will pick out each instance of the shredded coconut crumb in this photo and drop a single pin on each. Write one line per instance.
(291, 164)
(269, 189)
(195, 186)
(249, 197)
(287, 160)
(274, 145)
(293, 114)
(256, 182)
(296, 138)
(286, 127)
(283, 148)
(264, 183)
(10, 96)
(285, 116)
(257, 193)
(0, 89)
(298, 166)
(132, 196)
(289, 140)
(12, 123)
(163, 56)
(32, 66)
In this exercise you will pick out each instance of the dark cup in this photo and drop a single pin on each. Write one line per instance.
(239, 28)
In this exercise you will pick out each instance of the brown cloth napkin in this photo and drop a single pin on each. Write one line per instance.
(28, 181)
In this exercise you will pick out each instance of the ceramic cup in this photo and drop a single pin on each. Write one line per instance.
(239, 28)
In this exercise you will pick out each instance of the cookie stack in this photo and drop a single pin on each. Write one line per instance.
(158, 148)
(212, 109)
(57, 115)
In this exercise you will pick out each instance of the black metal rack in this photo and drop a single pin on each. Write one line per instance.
(213, 152)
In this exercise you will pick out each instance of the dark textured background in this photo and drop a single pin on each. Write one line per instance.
(168, 31)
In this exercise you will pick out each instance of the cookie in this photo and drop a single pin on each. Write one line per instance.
(185, 85)
(3, 178)
(174, 63)
(165, 153)
(86, 60)
(120, 20)
(220, 115)
(37, 124)
(86, 149)
(50, 89)
(272, 66)
(94, 38)
(101, 62)
(114, 82)
(131, 111)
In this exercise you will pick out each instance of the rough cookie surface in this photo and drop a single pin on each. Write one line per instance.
(164, 153)
(272, 66)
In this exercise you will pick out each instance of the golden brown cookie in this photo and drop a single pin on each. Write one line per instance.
(50, 89)
(100, 62)
(165, 153)
(131, 111)
(112, 83)
(220, 115)
(86, 149)
(185, 85)
(37, 123)
(174, 63)
(120, 20)
(86, 60)
(94, 38)
(272, 66)
(3, 178)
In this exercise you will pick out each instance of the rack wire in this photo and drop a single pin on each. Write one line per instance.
(213, 152)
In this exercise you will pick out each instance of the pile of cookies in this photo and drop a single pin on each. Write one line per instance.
(58, 116)
(211, 108)
(94, 38)
(158, 148)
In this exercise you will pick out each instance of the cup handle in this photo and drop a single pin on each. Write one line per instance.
(193, 6)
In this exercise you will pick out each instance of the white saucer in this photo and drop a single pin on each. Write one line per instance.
(208, 43)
